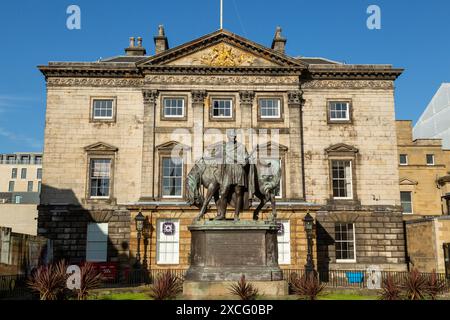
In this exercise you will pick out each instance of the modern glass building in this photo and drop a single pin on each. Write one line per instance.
(435, 120)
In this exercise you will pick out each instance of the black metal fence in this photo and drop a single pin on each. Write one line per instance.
(14, 287)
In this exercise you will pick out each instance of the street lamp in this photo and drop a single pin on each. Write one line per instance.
(139, 227)
(309, 224)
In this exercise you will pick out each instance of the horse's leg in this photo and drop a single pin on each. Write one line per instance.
(274, 209)
(209, 195)
(262, 202)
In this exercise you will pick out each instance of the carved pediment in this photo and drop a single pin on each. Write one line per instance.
(168, 146)
(407, 182)
(272, 146)
(222, 49)
(341, 148)
(100, 147)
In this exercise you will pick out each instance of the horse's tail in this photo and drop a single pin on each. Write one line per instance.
(193, 195)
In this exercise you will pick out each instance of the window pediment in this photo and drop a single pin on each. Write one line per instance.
(408, 182)
(169, 146)
(341, 149)
(100, 147)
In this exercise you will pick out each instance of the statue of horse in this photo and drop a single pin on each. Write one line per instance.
(264, 180)
(266, 176)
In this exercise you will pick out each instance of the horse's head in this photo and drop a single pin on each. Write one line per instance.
(193, 181)
(269, 175)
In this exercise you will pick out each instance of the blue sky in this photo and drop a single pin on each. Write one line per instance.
(414, 36)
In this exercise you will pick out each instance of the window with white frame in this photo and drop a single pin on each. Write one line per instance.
(11, 186)
(345, 242)
(172, 177)
(18, 199)
(284, 242)
(97, 242)
(103, 109)
(406, 201)
(270, 108)
(99, 178)
(430, 159)
(339, 111)
(342, 179)
(403, 159)
(222, 108)
(174, 107)
(168, 241)
(14, 173)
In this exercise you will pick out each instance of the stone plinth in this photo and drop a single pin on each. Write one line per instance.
(226, 250)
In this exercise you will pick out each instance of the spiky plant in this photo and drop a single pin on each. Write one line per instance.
(243, 289)
(49, 281)
(390, 289)
(307, 286)
(90, 279)
(434, 285)
(415, 285)
(166, 286)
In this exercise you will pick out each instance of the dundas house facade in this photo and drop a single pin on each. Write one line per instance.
(122, 134)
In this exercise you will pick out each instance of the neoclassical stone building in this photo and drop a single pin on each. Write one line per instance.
(114, 128)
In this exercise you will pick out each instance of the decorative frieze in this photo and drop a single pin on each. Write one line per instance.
(348, 84)
(95, 82)
(221, 80)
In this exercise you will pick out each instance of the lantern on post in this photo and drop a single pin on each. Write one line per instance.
(309, 225)
(139, 219)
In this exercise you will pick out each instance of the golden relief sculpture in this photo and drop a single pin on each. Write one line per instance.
(226, 56)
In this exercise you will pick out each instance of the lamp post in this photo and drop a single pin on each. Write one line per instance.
(309, 224)
(139, 227)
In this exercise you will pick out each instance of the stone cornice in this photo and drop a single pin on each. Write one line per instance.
(348, 84)
(92, 70)
(95, 82)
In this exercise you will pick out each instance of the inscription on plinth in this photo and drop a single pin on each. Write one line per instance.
(226, 250)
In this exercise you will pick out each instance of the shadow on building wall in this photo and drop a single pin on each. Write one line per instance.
(324, 242)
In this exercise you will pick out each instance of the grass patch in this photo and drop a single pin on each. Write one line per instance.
(122, 296)
(346, 296)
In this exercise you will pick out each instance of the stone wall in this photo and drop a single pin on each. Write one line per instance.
(22, 218)
(379, 239)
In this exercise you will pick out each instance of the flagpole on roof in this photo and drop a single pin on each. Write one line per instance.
(221, 14)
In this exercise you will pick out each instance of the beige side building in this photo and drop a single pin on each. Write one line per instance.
(20, 186)
(424, 169)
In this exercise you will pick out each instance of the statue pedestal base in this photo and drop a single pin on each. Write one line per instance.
(226, 250)
(221, 289)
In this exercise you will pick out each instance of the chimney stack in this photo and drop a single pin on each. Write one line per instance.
(279, 42)
(134, 50)
(161, 43)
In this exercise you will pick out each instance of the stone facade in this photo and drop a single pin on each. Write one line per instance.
(221, 65)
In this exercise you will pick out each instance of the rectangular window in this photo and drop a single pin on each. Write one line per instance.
(406, 201)
(172, 177)
(174, 107)
(222, 108)
(39, 174)
(11, 186)
(345, 242)
(270, 108)
(168, 241)
(5, 238)
(403, 159)
(39, 187)
(103, 109)
(18, 199)
(30, 186)
(23, 173)
(37, 160)
(430, 159)
(339, 111)
(14, 173)
(97, 242)
(284, 242)
(342, 179)
(100, 176)
(11, 160)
